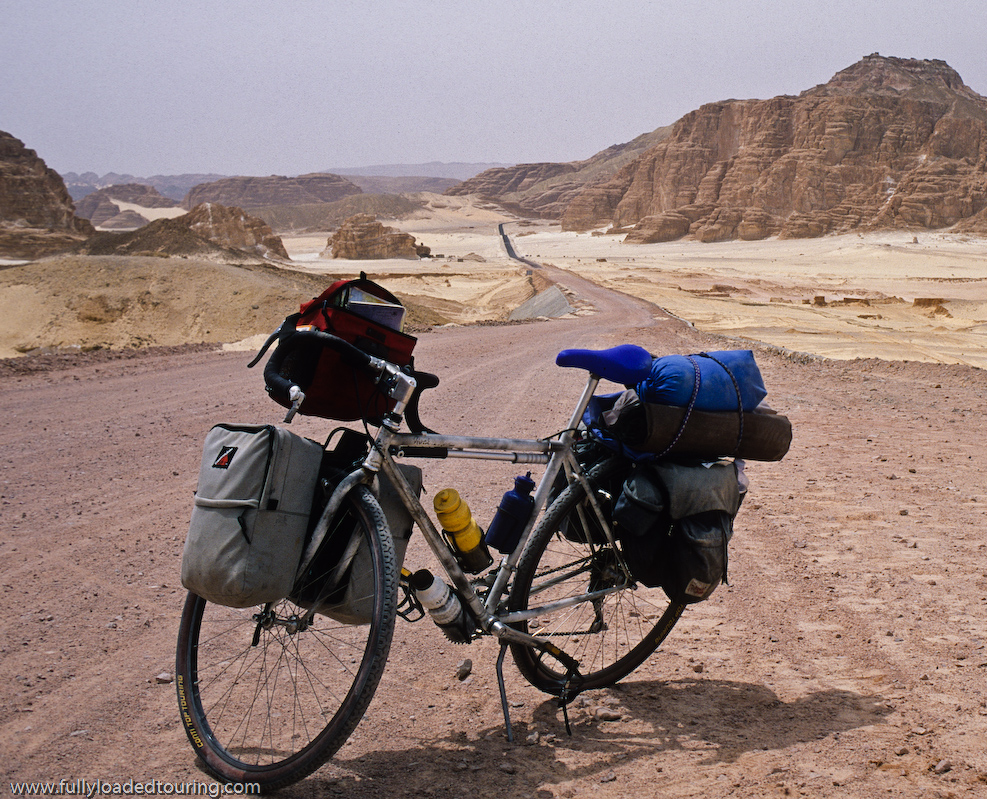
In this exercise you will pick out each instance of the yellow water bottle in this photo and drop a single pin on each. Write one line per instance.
(462, 532)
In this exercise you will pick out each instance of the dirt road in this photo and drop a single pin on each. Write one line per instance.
(847, 657)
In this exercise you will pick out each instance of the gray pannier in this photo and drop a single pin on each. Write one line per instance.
(251, 514)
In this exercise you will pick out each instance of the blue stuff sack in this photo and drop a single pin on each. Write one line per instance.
(674, 378)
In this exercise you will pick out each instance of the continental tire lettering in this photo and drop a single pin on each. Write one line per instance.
(658, 636)
(193, 733)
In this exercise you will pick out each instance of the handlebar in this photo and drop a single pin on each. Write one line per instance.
(396, 384)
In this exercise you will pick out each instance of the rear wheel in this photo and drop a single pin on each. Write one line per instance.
(609, 636)
(268, 694)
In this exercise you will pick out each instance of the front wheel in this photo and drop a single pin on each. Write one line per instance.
(569, 557)
(268, 694)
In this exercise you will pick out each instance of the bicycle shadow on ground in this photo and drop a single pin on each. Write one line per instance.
(713, 721)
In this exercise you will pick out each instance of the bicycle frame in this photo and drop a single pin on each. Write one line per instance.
(557, 454)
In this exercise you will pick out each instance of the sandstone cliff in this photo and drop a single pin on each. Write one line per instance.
(363, 237)
(37, 216)
(255, 192)
(887, 143)
(209, 231)
(100, 206)
(546, 189)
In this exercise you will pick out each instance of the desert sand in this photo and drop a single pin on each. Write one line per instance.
(895, 296)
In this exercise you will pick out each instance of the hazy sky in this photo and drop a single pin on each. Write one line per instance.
(257, 88)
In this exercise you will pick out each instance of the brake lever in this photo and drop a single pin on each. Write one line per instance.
(297, 397)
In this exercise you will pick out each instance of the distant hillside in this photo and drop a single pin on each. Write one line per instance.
(174, 187)
(887, 143)
(329, 216)
(101, 206)
(372, 184)
(434, 169)
(257, 192)
(546, 189)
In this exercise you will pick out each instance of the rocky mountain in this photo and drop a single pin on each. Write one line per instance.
(886, 143)
(210, 231)
(256, 192)
(37, 216)
(100, 207)
(363, 237)
(546, 189)
(232, 227)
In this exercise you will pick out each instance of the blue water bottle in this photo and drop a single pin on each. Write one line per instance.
(512, 515)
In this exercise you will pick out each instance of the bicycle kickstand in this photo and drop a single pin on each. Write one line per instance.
(503, 691)
(566, 695)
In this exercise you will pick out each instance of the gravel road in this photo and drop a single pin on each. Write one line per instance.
(846, 659)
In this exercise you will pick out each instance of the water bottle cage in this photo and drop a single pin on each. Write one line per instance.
(409, 608)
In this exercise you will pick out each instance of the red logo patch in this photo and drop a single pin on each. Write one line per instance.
(225, 458)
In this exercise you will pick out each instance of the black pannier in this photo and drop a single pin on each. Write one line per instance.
(674, 522)
(338, 579)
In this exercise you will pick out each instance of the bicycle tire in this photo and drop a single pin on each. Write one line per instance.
(609, 637)
(269, 705)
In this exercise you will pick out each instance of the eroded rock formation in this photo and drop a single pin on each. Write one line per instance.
(887, 143)
(208, 231)
(362, 237)
(232, 227)
(101, 206)
(125, 220)
(256, 192)
(37, 216)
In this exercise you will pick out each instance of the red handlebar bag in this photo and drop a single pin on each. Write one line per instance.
(358, 311)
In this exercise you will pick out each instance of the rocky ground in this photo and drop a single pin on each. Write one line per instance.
(848, 657)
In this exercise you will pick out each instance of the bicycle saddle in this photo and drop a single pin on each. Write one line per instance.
(626, 363)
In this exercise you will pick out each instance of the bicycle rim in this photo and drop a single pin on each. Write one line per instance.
(610, 636)
(267, 703)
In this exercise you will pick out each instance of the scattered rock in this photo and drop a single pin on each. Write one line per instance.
(603, 713)
(464, 669)
(163, 678)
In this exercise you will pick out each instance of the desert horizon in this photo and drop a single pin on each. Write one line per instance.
(897, 296)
